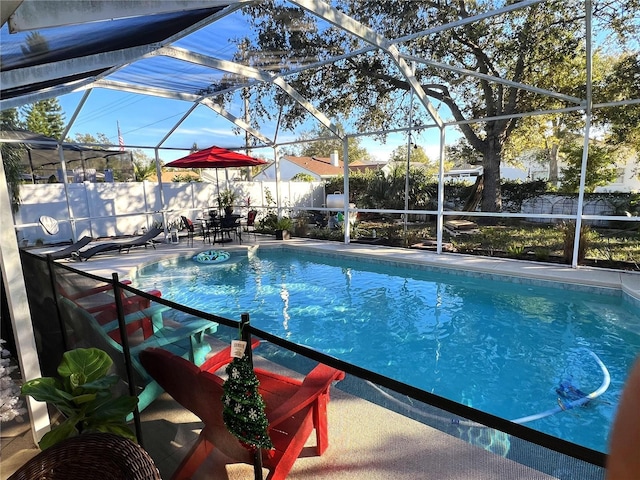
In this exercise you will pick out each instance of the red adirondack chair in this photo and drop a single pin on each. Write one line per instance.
(100, 301)
(293, 407)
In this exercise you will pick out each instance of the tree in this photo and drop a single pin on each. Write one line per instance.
(244, 408)
(87, 138)
(45, 117)
(601, 169)
(302, 177)
(418, 155)
(547, 135)
(462, 154)
(11, 157)
(143, 171)
(622, 83)
(143, 166)
(528, 46)
(324, 148)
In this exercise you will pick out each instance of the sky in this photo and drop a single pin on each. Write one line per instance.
(105, 110)
(145, 120)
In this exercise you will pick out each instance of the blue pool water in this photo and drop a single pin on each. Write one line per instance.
(498, 346)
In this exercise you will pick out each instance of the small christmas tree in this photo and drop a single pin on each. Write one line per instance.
(243, 412)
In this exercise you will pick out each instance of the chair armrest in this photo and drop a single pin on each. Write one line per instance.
(93, 291)
(168, 336)
(315, 384)
(154, 312)
(126, 302)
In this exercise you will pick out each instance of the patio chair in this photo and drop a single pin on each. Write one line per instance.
(293, 407)
(72, 249)
(231, 224)
(186, 340)
(124, 246)
(188, 225)
(250, 226)
(100, 301)
(90, 456)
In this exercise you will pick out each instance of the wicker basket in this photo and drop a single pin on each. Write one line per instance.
(92, 456)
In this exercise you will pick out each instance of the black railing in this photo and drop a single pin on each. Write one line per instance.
(61, 276)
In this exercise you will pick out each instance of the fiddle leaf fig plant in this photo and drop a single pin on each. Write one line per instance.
(83, 395)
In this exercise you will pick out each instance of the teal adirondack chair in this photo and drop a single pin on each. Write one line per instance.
(187, 341)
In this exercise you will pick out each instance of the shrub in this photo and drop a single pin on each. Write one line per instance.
(569, 230)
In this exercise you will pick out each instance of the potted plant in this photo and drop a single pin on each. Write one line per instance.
(226, 200)
(83, 395)
(283, 228)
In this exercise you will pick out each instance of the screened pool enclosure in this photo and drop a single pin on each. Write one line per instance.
(550, 85)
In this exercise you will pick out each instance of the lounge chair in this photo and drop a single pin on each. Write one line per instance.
(145, 241)
(293, 408)
(69, 251)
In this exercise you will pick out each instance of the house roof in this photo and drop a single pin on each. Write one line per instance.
(363, 167)
(317, 165)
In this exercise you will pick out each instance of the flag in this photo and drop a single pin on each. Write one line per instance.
(120, 139)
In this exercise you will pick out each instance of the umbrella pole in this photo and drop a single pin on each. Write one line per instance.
(218, 194)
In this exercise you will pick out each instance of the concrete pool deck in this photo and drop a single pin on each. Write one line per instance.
(366, 440)
(626, 282)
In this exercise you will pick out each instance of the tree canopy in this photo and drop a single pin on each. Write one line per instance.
(45, 117)
(532, 46)
(418, 155)
(324, 148)
(601, 168)
(11, 157)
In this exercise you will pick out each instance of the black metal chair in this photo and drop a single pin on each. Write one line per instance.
(191, 229)
(231, 224)
(250, 226)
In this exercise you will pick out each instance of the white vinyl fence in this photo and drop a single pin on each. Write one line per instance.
(113, 209)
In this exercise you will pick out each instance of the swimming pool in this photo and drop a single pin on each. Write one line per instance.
(498, 346)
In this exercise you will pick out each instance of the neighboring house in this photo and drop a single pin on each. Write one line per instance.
(627, 180)
(320, 168)
(465, 172)
(364, 167)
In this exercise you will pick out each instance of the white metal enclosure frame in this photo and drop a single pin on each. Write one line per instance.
(85, 70)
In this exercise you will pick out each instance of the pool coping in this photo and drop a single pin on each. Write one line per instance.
(622, 281)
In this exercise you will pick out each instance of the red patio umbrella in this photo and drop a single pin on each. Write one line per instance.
(215, 157)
